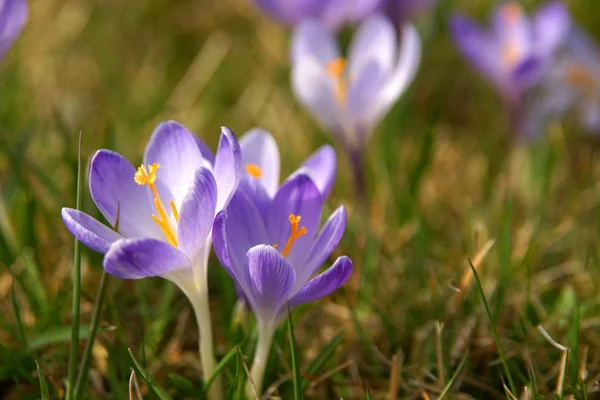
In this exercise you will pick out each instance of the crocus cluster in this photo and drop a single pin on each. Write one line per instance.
(162, 216)
(13, 16)
(542, 66)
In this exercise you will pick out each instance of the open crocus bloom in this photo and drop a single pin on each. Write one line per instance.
(13, 15)
(332, 13)
(261, 163)
(516, 51)
(273, 257)
(572, 82)
(162, 213)
(349, 97)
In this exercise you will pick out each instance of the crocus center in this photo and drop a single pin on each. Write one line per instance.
(511, 53)
(254, 170)
(511, 12)
(296, 232)
(336, 69)
(147, 176)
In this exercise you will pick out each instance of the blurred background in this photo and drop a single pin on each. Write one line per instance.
(447, 181)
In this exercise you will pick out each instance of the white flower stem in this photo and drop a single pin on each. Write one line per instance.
(201, 307)
(261, 356)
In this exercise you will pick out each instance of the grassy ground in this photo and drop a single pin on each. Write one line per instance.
(447, 184)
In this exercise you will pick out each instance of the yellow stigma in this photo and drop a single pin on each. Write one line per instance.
(145, 176)
(511, 12)
(254, 170)
(295, 234)
(336, 69)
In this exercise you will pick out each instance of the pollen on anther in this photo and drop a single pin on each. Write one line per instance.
(336, 67)
(253, 170)
(145, 176)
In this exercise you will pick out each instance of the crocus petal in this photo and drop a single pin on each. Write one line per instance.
(291, 12)
(551, 25)
(269, 280)
(116, 194)
(321, 167)
(513, 28)
(527, 73)
(301, 197)
(478, 48)
(339, 12)
(175, 149)
(312, 39)
(316, 91)
(13, 16)
(197, 214)
(257, 193)
(365, 105)
(259, 148)
(409, 59)
(228, 167)
(326, 242)
(238, 230)
(375, 42)
(88, 230)
(142, 258)
(325, 283)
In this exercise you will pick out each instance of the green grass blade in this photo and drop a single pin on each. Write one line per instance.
(369, 396)
(19, 321)
(320, 360)
(224, 361)
(43, 385)
(160, 392)
(454, 376)
(76, 292)
(295, 362)
(62, 334)
(493, 328)
(84, 366)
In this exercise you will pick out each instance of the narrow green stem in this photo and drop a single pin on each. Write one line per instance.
(82, 376)
(76, 292)
(261, 357)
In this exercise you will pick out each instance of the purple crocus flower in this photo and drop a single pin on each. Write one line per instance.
(332, 13)
(401, 11)
(261, 162)
(13, 16)
(573, 81)
(350, 97)
(516, 51)
(162, 214)
(274, 255)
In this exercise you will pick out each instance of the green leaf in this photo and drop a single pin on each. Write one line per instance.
(454, 376)
(62, 334)
(160, 392)
(43, 386)
(320, 360)
(298, 390)
(224, 361)
(75, 307)
(493, 328)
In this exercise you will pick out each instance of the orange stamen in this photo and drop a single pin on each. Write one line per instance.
(295, 234)
(254, 170)
(145, 176)
(336, 70)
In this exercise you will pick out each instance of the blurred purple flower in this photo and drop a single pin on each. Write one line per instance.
(516, 51)
(572, 82)
(163, 212)
(332, 13)
(13, 16)
(273, 254)
(350, 98)
(402, 11)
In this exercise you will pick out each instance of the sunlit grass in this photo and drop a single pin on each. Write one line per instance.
(446, 184)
